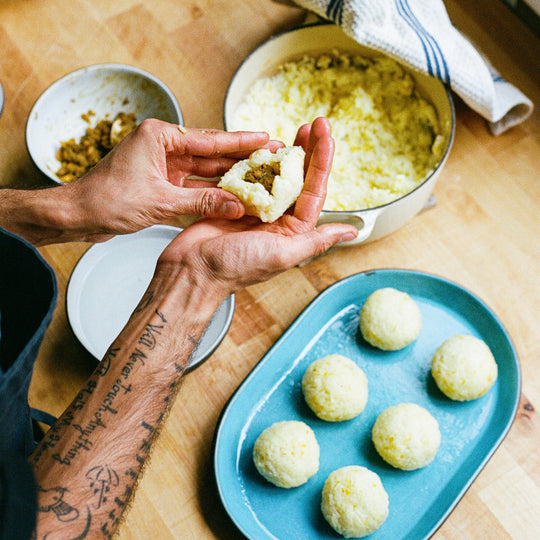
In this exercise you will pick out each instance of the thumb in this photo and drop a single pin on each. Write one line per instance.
(207, 202)
(316, 242)
(330, 234)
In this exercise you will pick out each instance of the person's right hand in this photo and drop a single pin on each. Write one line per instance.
(223, 256)
(146, 179)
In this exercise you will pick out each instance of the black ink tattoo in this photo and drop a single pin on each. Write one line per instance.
(80, 398)
(149, 337)
(52, 500)
(131, 473)
(136, 356)
(102, 478)
(146, 300)
(73, 452)
(178, 367)
(83, 441)
(148, 427)
(105, 364)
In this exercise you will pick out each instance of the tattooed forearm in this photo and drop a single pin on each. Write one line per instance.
(148, 340)
(91, 458)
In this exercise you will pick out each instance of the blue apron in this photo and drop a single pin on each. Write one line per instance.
(28, 294)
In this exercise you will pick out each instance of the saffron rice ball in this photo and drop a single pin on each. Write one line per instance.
(335, 388)
(390, 319)
(267, 183)
(406, 436)
(287, 453)
(354, 501)
(464, 368)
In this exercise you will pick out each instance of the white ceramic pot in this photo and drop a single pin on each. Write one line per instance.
(375, 222)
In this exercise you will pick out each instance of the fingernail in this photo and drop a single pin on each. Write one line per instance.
(230, 209)
(347, 237)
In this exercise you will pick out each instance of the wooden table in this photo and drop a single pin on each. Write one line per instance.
(484, 233)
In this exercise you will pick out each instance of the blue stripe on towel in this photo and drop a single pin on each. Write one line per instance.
(422, 42)
(334, 11)
(429, 44)
(443, 73)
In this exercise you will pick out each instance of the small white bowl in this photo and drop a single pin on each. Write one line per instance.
(372, 223)
(105, 89)
(108, 282)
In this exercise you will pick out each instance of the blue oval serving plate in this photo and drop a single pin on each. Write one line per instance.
(419, 500)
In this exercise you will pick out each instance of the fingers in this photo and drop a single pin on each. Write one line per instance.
(207, 202)
(334, 233)
(319, 157)
(200, 166)
(207, 167)
(302, 136)
(308, 134)
(300, 247)
(320, 128)
(211, 142)
(210, 153)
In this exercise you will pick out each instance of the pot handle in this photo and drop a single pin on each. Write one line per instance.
(363, 221)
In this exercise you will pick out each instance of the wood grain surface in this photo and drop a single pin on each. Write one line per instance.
(483, 233)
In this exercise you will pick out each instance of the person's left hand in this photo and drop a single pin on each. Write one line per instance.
(146, 179)
(223, 256)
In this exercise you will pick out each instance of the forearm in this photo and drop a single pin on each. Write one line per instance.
(41, 216)
(88, 463)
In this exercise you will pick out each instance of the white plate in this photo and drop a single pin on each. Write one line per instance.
(110, 279)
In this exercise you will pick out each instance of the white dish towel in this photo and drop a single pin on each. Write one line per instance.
(419, 33)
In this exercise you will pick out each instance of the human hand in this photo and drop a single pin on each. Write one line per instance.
(227, 256)
(145, 179)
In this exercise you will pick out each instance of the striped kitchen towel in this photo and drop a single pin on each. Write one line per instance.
(419, 34)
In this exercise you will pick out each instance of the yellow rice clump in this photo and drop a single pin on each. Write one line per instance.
(286, 186)
(335, 388)
(287, 453)
(406, 436)
(464, 368)
(388, 137)
(354, 501)
(390, 319)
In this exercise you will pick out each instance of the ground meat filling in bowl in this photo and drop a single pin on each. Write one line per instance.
(77, 158)
(264, 174)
